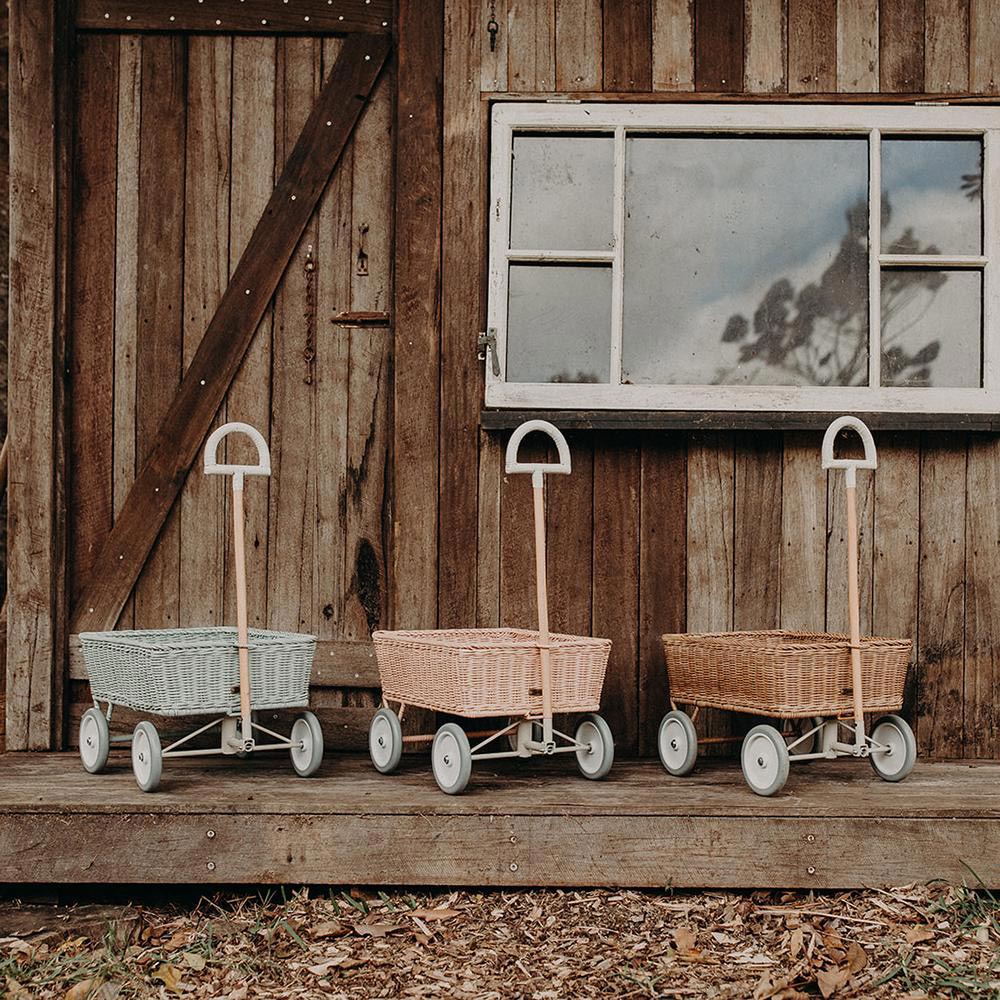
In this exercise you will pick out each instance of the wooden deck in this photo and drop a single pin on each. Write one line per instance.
(231, 822)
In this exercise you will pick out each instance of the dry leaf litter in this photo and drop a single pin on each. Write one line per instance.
(913, 942)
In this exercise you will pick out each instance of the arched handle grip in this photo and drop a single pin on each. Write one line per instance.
(214, 468)
(537, 469)
(870, 461)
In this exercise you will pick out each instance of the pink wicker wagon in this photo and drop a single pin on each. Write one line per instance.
(826, 679)
(483, 673)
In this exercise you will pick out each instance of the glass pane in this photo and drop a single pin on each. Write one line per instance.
(561, 197)
(558, 323)
(932, 196)
(931, 327)
(746, 261)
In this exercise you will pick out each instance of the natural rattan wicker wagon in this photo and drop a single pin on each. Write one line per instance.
(830, 680)
(481, 673)
(229, 673)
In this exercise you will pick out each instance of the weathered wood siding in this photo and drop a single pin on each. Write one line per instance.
(661, 531)
(179, 140)
(388, 504)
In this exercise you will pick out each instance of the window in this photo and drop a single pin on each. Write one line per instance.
(745, 257)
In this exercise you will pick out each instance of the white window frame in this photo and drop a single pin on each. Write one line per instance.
(872, 121)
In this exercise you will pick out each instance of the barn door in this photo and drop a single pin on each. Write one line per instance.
(219, 272)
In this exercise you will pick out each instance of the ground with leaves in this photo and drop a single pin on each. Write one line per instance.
(911, 942)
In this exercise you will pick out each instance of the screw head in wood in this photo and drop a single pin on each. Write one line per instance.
(513, 866)
(368, 58)
(218, 22)
(128, 17)
(211, 866)
(811, 870)
(210, 834)
(106, 15)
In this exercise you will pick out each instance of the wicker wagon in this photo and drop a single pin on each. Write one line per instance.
(827, 679)
(229, 673)
(482, 673)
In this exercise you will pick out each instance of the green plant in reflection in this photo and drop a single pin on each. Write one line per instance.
(819, 333)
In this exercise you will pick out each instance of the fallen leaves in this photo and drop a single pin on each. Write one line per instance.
(533, 945)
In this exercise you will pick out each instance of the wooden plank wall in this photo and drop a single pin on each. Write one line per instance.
(666, 531)
(179, 141)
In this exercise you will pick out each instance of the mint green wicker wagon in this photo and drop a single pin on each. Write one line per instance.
(229, 673)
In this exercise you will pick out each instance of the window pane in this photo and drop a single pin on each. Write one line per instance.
(561, 197)
(746, 261)
(558, 323)
(932, 196)
(931, 328)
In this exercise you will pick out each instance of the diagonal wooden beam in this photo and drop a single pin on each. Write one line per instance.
(205, 383)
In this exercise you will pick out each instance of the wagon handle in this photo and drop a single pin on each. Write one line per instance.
(870, 461)
(216, 468)
(262, 468)
(850, 467)
(538, 470)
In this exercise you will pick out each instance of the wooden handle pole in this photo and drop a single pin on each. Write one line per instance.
(853, 609)
(543, 609)
(242, 630)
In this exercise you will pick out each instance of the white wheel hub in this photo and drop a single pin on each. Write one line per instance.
(90, 740)
(674, 748)
(892, 759)
(591, 757)
(762, 760)
(301, 740)
(142, 756)
(447, 758)
(380, 741)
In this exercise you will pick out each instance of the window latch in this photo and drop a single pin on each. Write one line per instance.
(488, 345)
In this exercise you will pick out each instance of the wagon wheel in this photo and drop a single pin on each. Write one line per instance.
(677, 742)
(147, 756)
(451, 758)
(896, 762)
(385, 741)
(598, 752)
(95, 740)
(765, 760)
(307, 745)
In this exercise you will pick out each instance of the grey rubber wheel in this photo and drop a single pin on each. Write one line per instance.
(307, 745)
(95, 740)
(765, 760)
(385, 741)
(595, 760)
(147, 756)
(895, 763)
(677, 742)
(451, 759)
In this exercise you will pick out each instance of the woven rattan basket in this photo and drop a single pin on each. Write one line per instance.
(489, 672)
(785, 674)
(196, 671)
